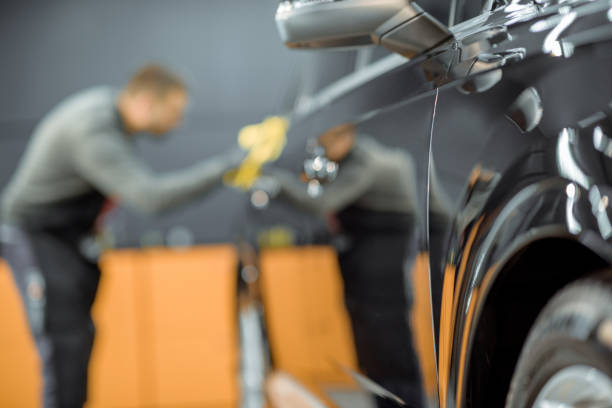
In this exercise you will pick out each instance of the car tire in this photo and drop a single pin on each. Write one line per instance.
(567, 358)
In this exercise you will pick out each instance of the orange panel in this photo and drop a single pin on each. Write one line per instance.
(193, 298)
(286, 311)
(308, 325)
(332, 336)
(166, 333)
(19, 365)
(116, 365)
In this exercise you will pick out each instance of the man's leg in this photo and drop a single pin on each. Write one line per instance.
(58, 288)
(378, 302)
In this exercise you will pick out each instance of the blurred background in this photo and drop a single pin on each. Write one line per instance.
(171, 329)
(235, 65)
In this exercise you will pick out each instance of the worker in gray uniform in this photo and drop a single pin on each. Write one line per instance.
(374, 199)
(80, 156)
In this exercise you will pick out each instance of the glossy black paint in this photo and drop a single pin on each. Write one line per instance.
(510, 127)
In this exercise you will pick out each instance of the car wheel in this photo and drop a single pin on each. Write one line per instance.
(567, 358)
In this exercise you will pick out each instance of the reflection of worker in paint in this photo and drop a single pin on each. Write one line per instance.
(80, 155)
(374, 199)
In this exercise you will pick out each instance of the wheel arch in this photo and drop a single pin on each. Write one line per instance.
(512, 305)
(500, 284)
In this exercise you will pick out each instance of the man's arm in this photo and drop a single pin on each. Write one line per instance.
(107, 162)
(353, 180)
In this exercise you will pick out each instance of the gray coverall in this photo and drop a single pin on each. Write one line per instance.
(78, 156)
(375, 198)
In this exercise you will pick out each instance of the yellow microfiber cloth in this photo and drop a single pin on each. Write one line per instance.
(265, 142)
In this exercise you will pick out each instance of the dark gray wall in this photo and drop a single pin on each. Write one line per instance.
(228, 50)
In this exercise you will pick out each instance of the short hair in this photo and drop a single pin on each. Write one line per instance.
(156, 79)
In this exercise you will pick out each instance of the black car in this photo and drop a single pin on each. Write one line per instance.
(507, 114)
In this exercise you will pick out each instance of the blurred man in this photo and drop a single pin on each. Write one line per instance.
(374, 200)
(79, 157)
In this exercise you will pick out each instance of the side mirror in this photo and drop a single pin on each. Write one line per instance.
(399, 25)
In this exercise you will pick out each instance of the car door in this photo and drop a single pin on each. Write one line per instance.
(499, 171)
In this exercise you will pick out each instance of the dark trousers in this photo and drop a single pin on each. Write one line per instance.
(57, 286)
(378, 297)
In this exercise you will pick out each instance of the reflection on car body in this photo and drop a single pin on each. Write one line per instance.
(509, 118)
